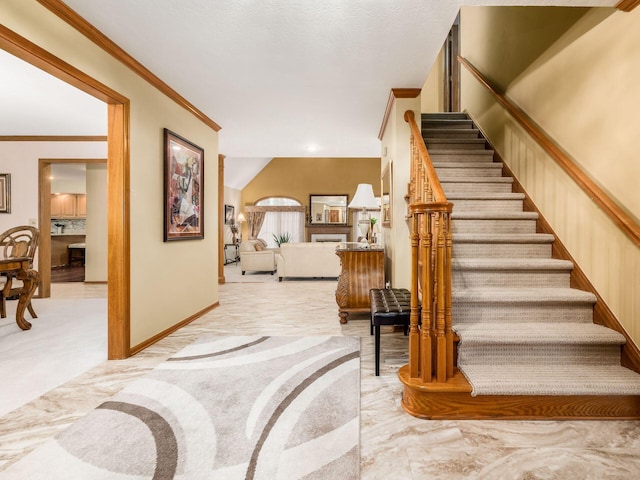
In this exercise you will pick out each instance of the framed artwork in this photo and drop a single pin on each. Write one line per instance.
(229, 215)
(183, 189)
(5, 193)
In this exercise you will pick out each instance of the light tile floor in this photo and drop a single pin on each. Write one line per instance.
(394, 445)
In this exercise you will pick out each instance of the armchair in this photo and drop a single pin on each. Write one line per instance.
(255, 256)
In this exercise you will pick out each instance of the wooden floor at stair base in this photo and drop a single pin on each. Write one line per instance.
(453, 401)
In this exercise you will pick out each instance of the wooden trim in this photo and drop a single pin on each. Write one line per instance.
(602, 314)
(165, 333)
(118, 303)
(273, 208)
(52, 138)
(624, 221)
(393, 94)
(118, 228)
(627, 5)
(44, 216)
(39, 57)
(221, 279)
(68, 15)
(75, 160)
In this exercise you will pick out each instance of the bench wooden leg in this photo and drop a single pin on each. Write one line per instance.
(377, 333)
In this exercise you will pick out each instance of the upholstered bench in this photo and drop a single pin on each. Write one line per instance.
(389, 306)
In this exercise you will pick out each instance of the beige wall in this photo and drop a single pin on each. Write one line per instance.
(96, 240)
(432, 94)
(396, 152)
(576, 73)
(298, 178)
(182, 274)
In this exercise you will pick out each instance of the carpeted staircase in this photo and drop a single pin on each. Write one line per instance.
(522, 329)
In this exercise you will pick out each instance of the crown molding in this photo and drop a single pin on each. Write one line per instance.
(53, 138)
(627, 5)
(396, 93)
(68, 15)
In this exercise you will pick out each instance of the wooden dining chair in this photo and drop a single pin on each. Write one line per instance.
(17, 242)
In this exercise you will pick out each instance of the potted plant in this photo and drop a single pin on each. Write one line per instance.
(282, 238)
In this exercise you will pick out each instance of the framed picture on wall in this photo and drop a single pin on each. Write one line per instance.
(183, 189)
(5, 193)
(229, 215)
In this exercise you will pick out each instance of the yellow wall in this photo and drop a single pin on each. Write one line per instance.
(169, 281)
(298, 178)
(576, 73)
(432, 94)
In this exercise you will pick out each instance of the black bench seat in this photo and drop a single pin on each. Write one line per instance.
(389, 306)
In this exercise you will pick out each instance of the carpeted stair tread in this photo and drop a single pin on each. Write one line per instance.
(534, 333)
(497, 215)
(485, 196)
(522, 295)
(466, 165)
(462, 151)
(429, 133)
(445, 116)
(453, 123)
(445, 179)
(510, 264)
(504, 238)
(552, 380)
(468, 142)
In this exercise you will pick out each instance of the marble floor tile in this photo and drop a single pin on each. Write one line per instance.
(394, 445)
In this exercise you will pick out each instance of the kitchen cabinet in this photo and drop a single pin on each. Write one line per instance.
(81, 205)
(68, 205)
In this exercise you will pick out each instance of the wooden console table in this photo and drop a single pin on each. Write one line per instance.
(362, 270)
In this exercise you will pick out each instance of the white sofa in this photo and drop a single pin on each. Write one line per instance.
(254, 256)
(308, 259)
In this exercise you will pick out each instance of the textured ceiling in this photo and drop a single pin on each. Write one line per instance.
(287, 78)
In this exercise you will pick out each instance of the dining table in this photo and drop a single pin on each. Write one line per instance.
(20, 268)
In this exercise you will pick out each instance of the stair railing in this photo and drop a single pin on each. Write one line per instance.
(430, 333)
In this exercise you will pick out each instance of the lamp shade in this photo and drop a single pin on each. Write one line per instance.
(364, 198)
(241, 218)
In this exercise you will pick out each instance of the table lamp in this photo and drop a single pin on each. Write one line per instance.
(364, 199)
(241, 220)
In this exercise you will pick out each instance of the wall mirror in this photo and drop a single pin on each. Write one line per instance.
(324, 209)
(386, 200)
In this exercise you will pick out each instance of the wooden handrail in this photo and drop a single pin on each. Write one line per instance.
(430, 330)
(624, 221)
(438, 193)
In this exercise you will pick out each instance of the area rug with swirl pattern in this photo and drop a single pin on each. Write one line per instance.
(223, 407)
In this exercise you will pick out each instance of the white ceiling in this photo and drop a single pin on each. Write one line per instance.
(285, 78)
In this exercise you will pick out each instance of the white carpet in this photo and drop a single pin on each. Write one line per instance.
(233, 274)
(68, 338)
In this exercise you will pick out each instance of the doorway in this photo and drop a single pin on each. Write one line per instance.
(55, 248)
(118, 180)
